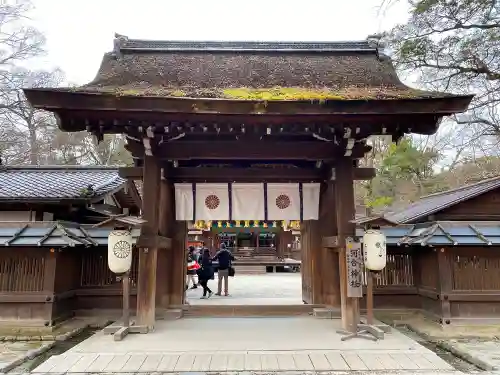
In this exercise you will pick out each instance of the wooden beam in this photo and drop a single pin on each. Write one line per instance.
(154, 241)
(363, 174)
(134, 193)
(146, 288)
(244, 174)
(330, 242)
(247, 150)
(51, 99)
(132, 173)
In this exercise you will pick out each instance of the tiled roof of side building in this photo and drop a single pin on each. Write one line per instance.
(434, 203)
(439, 233)
(57, 182)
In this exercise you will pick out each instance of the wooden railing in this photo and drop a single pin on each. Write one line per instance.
(22, 273)
(95, 271)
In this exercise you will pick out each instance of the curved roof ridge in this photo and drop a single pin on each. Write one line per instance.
(125, 43)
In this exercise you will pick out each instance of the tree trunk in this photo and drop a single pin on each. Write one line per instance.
(34, 160)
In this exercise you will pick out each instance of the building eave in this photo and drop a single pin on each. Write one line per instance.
(59, 101)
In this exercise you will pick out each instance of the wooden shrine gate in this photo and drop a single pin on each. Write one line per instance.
(246, 112)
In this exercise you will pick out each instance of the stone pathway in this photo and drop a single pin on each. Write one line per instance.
(13, 350)
(268, 289)
(244, 344)
(484, 354)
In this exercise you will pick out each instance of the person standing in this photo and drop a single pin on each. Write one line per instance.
(206, 273)
(224, 257)
(192, 267)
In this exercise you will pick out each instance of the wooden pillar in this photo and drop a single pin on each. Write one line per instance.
(445, 283)
(306, 267)
(257, 245)
(146, 288)
(177, 258)
(345, 208)
(49, 285)
(328, 257)
(316, 262)
(166, 207)
(278, 242)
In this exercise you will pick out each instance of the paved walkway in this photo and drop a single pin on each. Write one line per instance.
(244, 344)
(484, 354)
(12, 350)
(267, 289)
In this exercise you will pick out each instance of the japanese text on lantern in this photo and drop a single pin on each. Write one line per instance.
(354, 258)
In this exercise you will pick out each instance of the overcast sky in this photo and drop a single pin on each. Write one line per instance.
(79, 31)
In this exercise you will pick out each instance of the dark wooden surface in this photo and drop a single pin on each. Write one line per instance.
(146, 294)
(211, 174)
(345, 210)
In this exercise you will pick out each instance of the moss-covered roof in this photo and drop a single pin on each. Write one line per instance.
(253, 71)
(266, 94)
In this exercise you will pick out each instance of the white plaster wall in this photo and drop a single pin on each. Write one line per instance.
(17, 216)
(48, 216)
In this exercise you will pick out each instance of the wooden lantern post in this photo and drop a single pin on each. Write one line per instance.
(120, 330)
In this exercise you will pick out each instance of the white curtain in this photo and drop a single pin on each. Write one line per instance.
(212, 202)
(310, 201)
(248, 202)
(283, 202)
(184, 202)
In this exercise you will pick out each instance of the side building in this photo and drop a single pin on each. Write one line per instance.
(443, 257)
(53, 260)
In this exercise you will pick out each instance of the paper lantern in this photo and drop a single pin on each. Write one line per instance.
(374, 250)
(119, 251)
(284, 225)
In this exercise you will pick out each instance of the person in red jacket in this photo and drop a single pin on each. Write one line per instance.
(192, 268)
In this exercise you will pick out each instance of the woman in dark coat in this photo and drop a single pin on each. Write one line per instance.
(206, 273)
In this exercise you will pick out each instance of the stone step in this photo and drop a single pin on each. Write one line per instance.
(250, 270)
(172, 314)
(247, 310)
(326, 313)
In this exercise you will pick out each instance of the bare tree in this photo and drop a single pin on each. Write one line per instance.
(455, 46)
(19, 42)
(33, 128)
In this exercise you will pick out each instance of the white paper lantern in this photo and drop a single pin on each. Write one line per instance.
(119, 251)
(374, 250)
